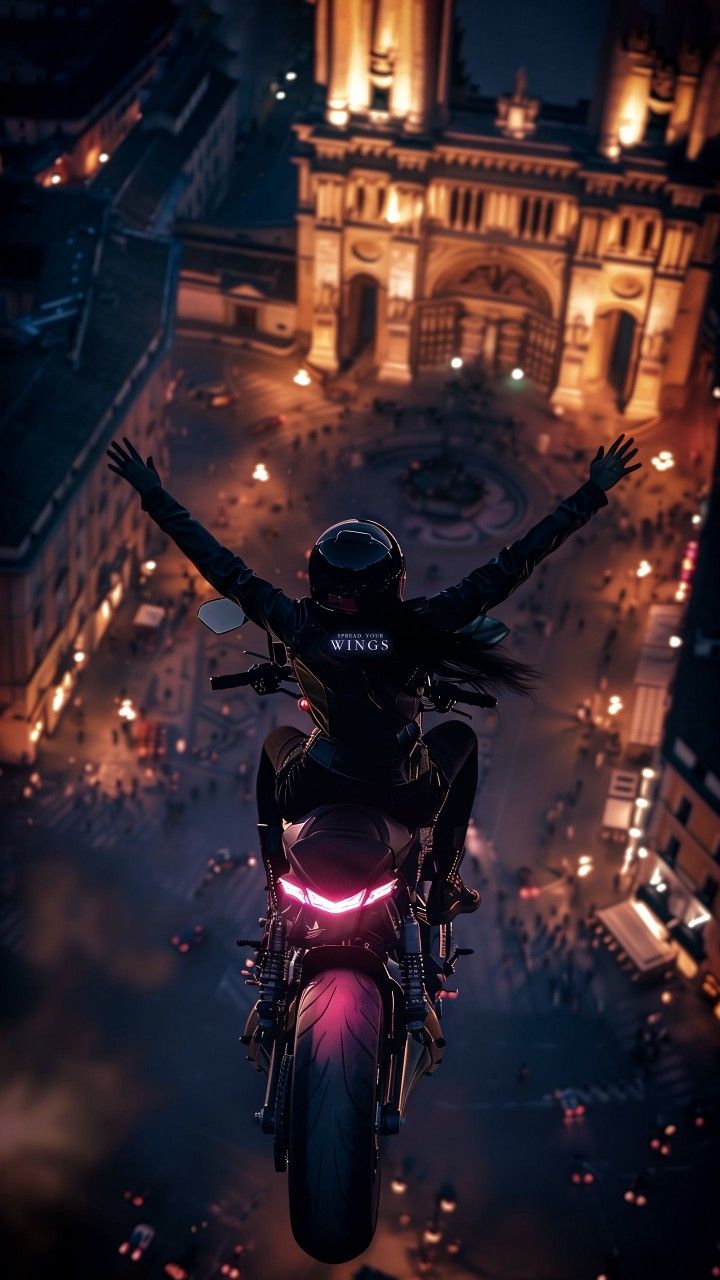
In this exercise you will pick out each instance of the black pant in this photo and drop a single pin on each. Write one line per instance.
(290, 785)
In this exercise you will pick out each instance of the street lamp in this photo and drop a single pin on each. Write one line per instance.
(456, 362)
(675, 642)
(302, 378)
(517, 374)
(291, 75)
(261, 472)
(103, 157)
(280, 95)
(663, 461)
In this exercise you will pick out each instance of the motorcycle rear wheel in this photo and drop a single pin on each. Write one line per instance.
(333, 1169)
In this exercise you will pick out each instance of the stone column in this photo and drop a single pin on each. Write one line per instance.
(396, 365)
(326, 301)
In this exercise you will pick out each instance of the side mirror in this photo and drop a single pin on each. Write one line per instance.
(221, 615)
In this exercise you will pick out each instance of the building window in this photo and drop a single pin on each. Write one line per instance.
(670, 850)
(624, 233)
(683, 811)
(380, 99)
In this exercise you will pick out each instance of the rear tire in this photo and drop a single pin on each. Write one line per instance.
(333, 1171)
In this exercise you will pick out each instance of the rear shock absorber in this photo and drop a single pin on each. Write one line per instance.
(412, 977)
(272, 974)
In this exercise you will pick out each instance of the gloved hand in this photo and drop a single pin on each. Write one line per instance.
(142, 476)
(607, 468)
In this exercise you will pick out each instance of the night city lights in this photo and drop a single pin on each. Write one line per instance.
(359, 746)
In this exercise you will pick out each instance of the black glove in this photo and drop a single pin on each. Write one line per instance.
(128, 464)
(608, 469)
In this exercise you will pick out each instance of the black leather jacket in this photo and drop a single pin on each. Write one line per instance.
(360, 692)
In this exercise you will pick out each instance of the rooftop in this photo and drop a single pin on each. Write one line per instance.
(55, 403)
(80, 62)
(266, 270)
(146, 173)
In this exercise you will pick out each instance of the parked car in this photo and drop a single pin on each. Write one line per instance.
(637, 1192)
(527, 888)
(570, 1105)
(270, 423)
(189, 938)
(582, 1175)
(138, 1242)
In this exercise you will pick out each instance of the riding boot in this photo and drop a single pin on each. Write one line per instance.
(273, 856)
(448, 896)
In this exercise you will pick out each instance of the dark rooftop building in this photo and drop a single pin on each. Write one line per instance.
(103, 308)
(694, 717)
(62, 67)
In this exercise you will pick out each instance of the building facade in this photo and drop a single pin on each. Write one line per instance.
(71, 379)
(679, 874)
(71, 81)
(575, 244)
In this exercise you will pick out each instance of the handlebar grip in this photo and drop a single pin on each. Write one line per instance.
(477, 699)
(233, 681)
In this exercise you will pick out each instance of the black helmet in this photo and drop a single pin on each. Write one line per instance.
(356, 563)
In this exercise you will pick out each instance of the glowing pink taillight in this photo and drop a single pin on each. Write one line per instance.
(309, 898)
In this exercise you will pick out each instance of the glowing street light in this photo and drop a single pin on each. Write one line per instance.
(291, 75)
(56, 179)
(643, 569)
(517, 374)
(103, 157)
(456, 362)
(280, 95)
(663, 461)
(675, 642)
(261, 472)
(398, 1185)
(615, 705)
(126, 710)
(716, 393)
(149, 566)
(79, 655)
(302, 378)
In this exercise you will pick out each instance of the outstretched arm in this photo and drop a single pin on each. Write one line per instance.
(226, 572)
(495, 581)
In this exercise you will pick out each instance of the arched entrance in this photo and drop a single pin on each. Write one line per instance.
(501, 318)
(613, 354)
(359, 319)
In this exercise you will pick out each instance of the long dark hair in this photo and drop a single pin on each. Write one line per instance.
(447, 654)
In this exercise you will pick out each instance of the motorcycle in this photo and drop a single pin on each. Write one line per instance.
(351, 980)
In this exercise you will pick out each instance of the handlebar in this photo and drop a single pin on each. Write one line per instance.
(263, 677)
(231, 682)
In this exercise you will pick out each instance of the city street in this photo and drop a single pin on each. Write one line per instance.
(148, 1089)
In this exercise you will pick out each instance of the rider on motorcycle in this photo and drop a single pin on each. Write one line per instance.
(362, 656)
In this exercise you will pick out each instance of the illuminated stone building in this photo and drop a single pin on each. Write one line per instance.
(574, 242)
